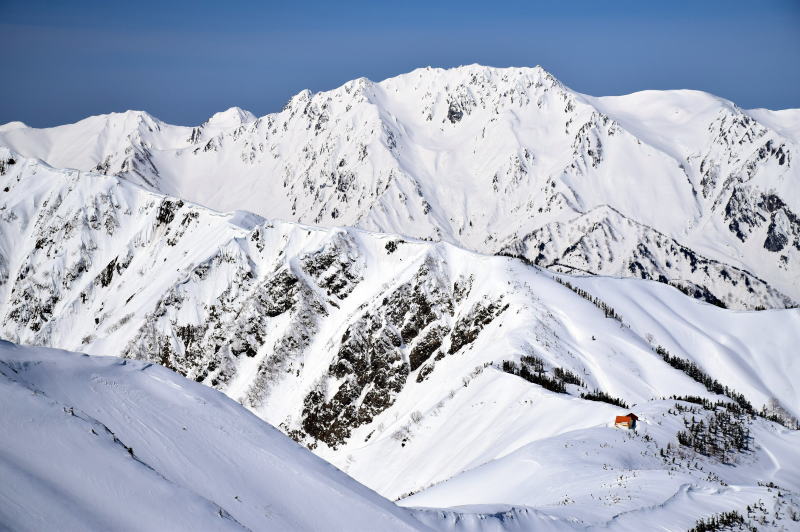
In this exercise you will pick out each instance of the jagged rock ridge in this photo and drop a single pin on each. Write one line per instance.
(493, 160)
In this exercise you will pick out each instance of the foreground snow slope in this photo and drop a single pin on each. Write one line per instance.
(392, 358)
(101, 443)
(678, 186)
(107, 443)
(94, 443)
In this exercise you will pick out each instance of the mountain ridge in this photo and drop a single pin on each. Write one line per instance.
(410, 155)
(362, 344)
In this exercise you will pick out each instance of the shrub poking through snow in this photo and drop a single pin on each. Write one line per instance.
(711, 384)
(599, 395)
(532, 370)
(568, 377)
(732, 520)
(720, 435)
(596, 301)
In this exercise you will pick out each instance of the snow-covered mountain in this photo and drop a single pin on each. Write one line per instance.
(100, 443)
(677, 186)
(409, 363)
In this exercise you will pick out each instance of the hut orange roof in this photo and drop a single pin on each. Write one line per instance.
(628, 421)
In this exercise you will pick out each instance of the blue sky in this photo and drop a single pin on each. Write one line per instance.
(182, 61)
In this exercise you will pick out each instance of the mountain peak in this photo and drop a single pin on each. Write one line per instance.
(231, 117)
(8, 126)
(125, 121)
(477, 70)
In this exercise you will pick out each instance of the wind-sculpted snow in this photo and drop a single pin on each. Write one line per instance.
(100, 443)
(405, 362)
(491, 159)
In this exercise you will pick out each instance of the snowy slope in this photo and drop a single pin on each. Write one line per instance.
(131, 445)
(388, 356)
(103, 443)
(8, 126)
(493, 160)
(603, 478)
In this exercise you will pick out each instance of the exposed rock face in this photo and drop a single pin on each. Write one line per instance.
(747, 212)
(373, 361)
(468, 328)
(592, 243)
(337, 267)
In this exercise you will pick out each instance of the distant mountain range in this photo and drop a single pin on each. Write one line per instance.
(677, 186)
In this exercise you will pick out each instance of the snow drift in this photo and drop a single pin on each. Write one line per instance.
(104, 443)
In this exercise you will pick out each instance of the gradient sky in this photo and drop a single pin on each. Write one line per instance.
(65, 60)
